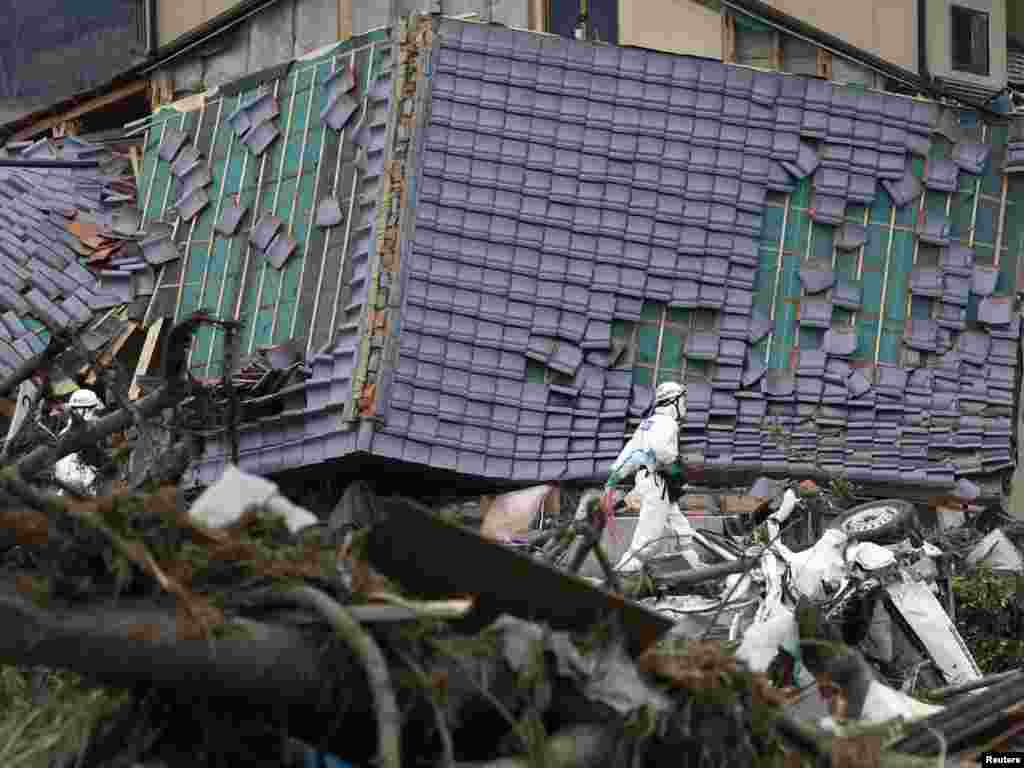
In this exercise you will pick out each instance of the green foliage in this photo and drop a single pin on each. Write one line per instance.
(843, 491)
(32, 730)
(990, 617)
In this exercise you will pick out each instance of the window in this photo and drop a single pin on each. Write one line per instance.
(755, 43)
(970, 40)
(604, 18)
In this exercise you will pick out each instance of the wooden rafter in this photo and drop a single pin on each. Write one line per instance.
(161, 90)
(67, 128)
(344, 19)
(824, 63)
(145, 357)
(728, 37)
(776, 50)
(91, 105)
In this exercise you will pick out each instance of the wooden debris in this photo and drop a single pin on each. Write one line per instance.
(743, 505)
(146, 356)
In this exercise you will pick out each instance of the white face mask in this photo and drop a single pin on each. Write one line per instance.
(85, 414)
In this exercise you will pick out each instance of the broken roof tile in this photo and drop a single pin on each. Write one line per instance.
(971, 156)
(941, 175)
(187, 161)
(973, 346)
(857, 384)
(753, 371)
(922, 334)
(760, 326)
(905, 190)
(984, 280)
(779, 179)
(190, 205)
(851, 236)
(701, 345)
(264, 231)
(956, 289)
(995, 310)
(806, 162)
(172, 142)
(846, 294)
(55, 318)
(261, 136)
(832, 181)
(828, 209)
(230, 217)
(934, 228)
(328, 213)
(951, 317)
(817, 277)
(841, 342)
(926, 281)
(280, 249)
(957, 259)
(816, 312)
(779, 385)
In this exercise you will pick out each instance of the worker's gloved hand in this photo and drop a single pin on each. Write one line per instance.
(614, 478)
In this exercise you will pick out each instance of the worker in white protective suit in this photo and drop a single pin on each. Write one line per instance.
(84, 405)
(651, 454)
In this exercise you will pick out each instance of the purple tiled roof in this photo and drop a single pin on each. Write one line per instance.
(43, 287)
(560, 185)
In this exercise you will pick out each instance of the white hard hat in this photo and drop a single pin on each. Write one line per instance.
(669, 392)
(84, 398)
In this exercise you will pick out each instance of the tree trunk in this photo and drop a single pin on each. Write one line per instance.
(136, 642)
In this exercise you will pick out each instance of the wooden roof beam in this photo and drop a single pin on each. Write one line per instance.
(91, 105)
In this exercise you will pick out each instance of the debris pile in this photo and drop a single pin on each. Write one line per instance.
(253, 603)
(839, 610)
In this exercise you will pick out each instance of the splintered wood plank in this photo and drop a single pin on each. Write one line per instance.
(148, 348)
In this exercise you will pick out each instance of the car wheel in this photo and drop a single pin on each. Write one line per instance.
(882, 522)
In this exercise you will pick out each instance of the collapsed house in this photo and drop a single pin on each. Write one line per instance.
(478, 249)
(487, 246)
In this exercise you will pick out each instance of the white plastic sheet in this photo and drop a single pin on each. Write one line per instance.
(224, 502)
(884, 703)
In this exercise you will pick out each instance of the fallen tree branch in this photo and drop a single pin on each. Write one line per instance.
(369, 654)
(137, 641)
(447, 748)
(54, 349)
